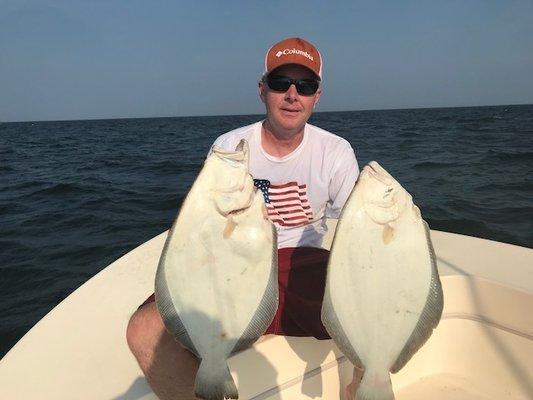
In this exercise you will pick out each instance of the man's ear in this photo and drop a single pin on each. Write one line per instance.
(317, 97)
(261, 90)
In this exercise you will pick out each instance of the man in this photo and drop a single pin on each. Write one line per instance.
(306, 174)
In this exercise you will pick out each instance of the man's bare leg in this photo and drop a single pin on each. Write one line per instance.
(352, 387)
(169, 368)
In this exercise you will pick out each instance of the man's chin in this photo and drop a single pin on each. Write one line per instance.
(293, 129)
(292, 124)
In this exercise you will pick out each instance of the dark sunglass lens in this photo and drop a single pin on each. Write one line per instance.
(278, 83)
(307, 86)
(304, 87)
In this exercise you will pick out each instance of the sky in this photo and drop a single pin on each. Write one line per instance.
(74, 59)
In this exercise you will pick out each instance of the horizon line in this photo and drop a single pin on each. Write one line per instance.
(245, 115)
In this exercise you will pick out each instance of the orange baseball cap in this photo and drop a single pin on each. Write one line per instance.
(294, 51)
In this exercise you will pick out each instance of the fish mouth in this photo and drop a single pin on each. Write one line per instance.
(377, 172)
(384, 181)
(239, 210)
(238, 199)
(383, 204)
(236, 157)
(383, 197)
(236, 211)
(228, 154)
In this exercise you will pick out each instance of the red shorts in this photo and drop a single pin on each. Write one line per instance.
(301, 282)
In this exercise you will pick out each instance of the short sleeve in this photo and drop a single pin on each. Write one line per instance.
(344, 175)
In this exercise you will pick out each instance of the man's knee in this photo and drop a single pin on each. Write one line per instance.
(154, 348)
(144, 329)
(133, 332)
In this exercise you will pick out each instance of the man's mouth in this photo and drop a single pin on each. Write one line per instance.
(290, 111)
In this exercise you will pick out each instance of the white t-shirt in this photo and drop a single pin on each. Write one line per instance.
(303, 188)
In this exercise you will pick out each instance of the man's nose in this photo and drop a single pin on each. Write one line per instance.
(291, 94)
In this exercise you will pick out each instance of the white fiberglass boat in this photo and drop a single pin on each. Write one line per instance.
(482, 348)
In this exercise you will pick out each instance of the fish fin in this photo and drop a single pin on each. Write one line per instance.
(333, 326)
(430, 316)
(375, 387)
(214, 381)
(267, 307)
(165, 306)
(173, 322)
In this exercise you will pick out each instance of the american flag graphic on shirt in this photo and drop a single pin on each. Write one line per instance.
(287, 204)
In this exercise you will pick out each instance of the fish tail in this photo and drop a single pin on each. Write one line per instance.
(375, 387)
(214, 381)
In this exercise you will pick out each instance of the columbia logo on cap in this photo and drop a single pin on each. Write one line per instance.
(294, 51)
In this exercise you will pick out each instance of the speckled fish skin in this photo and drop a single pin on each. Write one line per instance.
(383, 295)
(216, 283)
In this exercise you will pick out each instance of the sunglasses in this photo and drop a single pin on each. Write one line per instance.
(305, 87)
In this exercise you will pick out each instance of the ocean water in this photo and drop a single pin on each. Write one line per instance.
(76, 195)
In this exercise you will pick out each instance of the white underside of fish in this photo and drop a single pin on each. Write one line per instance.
(216, 284)
(383, 295)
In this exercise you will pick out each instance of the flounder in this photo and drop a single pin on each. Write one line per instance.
(383, 295)
(216, 283)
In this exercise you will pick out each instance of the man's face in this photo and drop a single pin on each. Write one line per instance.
(288, 112)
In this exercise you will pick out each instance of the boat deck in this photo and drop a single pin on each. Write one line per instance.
(482, 348)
